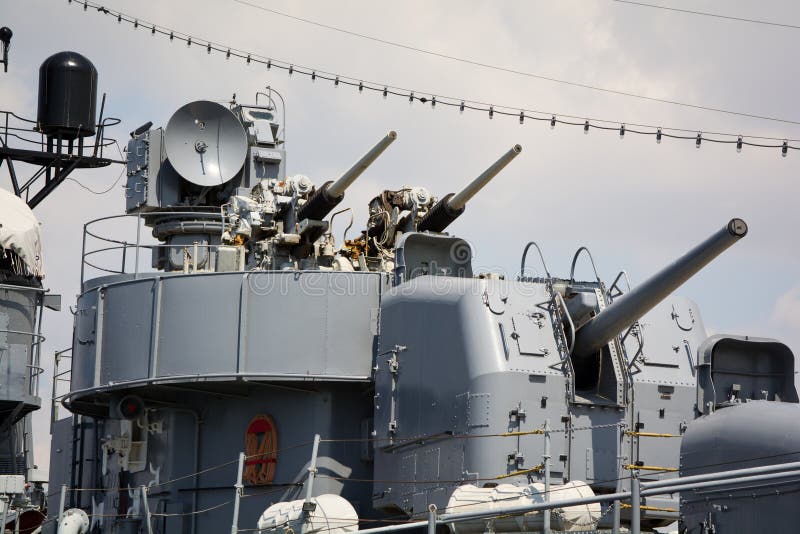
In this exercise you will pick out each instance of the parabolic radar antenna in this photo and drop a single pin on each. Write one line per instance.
(206, 144)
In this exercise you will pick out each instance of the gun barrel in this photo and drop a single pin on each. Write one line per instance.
(626, 309)
(337, 188)
(448, 209)
(330, 194)
(460, 199)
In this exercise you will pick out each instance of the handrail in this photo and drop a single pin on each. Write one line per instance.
(525, 256)
(638, 490)
(623, 275)
(575, 260)
(40, 337)
(23, 119)
(120, 265)
(23, 288)
(58, 377)
(563, 307)
(34, 370)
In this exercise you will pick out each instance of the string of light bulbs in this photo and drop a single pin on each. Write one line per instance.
(511, 70)
(462, 104)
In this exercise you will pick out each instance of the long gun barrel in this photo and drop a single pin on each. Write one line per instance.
(621, 313)
(331, 193)
(448, 209)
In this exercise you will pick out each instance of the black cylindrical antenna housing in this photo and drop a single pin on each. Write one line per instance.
(67, 96)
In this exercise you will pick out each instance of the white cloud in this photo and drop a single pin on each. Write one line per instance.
(787, 309)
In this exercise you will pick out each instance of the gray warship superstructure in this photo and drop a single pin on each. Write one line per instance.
(243, 360)
(22, 301)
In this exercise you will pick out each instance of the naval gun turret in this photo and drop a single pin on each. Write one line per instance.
(625, 310)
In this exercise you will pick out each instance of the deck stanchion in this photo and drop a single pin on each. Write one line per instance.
(4, 501)
(636, 511)
(308, 505)
(61, 504)
(146, 505)
(239, 487)
(432, 519)
(546, 463)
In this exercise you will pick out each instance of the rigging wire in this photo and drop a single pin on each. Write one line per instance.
(449, 509)
(704, 14)
(511, 70)
(107, 190)
(104, 191)
(461, 103)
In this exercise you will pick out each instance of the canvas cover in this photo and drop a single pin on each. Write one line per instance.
(19, 231)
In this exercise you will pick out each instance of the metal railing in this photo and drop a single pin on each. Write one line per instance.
(638, 490)
(33, 365)
(59, 378)
(542, 502)
(21, 129)
(126, 254)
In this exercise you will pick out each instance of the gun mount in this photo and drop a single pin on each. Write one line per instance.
(449, 208)
(621, 313)
(330, 194)
(412, 209)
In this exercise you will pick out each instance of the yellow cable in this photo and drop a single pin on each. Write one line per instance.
(651, 434)
(651, 468)
(527, 433)
(521, 472)
(649, 508)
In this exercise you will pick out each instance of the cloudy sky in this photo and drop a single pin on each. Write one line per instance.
(635, 203)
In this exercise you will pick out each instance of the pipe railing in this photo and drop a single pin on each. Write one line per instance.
(59, 377)
(640, 489)
(637, 491)
(119, 248)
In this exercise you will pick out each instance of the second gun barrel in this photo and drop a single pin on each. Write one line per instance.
(450, 207)
(460, 199)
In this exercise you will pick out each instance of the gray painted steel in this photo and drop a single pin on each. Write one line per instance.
(744, 435)
(19, 311)
(20, 341)
(304, 325)
(418, 375)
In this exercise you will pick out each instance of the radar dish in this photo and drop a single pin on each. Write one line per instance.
(205, 142)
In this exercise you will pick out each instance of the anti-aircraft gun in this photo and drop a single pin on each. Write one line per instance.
(413, 209)
(213, 187)
(451, 206)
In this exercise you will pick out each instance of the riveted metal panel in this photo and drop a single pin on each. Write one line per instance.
(127, 324)
(199, 325)
(84, 341)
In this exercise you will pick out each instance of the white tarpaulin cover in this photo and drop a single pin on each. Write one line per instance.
(19, 231)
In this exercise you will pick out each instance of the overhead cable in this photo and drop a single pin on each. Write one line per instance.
(707, 14)
(512, 70)
(463, 104)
